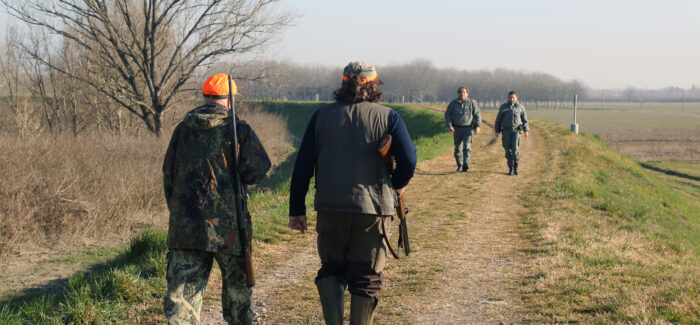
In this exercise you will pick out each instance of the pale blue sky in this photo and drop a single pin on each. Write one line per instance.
(644, 43)
(610, 43)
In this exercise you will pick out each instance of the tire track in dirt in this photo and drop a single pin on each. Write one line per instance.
(474, 272)
(466, 266)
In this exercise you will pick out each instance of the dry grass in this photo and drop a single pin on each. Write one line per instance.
(272, 131)
(70, 189)
(60, 191)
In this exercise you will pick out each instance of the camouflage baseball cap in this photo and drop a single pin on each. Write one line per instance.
(361, 68)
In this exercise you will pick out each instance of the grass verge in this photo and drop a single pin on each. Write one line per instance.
(611, 241)
(128, 289)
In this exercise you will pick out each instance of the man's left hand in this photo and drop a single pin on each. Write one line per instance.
(477, 130)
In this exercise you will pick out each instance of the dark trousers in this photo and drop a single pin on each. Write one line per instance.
(463, 144)
(352, 249)
(511, 143)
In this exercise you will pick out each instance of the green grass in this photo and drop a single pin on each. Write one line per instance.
(623, 244)
(109, 294)
(130, 287)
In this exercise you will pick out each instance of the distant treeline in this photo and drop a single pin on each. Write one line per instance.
(631, 94)
(418, 81)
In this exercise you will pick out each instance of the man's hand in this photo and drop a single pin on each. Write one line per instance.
(298, 223)
(452, 129)
(526, 134)
(477, 130)
(495, 134)
(399, 191)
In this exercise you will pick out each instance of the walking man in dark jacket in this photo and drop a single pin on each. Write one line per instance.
(199, 190)
(355, 193)
(462, 117)
(511, 120)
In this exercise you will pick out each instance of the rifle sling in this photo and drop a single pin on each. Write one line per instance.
(381, 196)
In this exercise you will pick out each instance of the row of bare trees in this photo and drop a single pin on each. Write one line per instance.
(138, 56)
(418, 81)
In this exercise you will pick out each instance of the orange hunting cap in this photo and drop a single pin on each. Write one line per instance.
(216, 86)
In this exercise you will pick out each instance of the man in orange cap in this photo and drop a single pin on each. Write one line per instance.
(355, 192)
(199, 190)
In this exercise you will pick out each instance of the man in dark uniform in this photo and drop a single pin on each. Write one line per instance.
(462, 116)
(199, 190)
(511, 120)
(355, 193)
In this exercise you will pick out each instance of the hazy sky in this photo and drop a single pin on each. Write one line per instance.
(605, 44)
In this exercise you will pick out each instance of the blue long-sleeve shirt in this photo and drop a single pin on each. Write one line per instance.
(402, 148)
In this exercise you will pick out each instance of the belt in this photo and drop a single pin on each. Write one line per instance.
(460, 126)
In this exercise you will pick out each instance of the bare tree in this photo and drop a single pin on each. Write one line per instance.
(142, 54)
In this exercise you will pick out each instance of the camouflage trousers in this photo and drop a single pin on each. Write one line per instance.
(187, 276)
(511, 143)
(463, 144)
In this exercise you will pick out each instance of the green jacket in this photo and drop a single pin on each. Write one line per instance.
(511, 116)
(348, 166)
(198, 183)
(463, 113)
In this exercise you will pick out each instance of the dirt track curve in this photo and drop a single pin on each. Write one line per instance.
(466, 266)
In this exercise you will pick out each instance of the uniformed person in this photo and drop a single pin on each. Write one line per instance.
(199, 190)
(511, 120)
(463, 117)
(355, 193)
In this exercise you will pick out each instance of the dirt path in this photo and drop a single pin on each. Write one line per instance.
(466, 265)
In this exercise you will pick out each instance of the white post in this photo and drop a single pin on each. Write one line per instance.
(574, 127)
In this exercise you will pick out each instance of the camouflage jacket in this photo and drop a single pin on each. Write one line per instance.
(197, 179)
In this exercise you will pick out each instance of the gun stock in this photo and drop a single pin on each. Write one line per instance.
(401, 208)
(401, 212)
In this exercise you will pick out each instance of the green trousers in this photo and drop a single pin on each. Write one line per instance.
(511, 143)
(463, 144)
(187, 276)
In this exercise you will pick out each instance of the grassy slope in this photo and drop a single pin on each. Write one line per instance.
(613, 242)
(130, 288)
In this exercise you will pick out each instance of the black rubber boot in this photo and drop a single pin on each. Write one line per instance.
(465, 168)
(460, 168)
(515, 168)
(510, 167)
(331, 291)
(361, 310)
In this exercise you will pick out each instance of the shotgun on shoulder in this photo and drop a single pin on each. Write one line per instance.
(401, 208)
(242, 215)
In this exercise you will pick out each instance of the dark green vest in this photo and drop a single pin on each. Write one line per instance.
(349, 169)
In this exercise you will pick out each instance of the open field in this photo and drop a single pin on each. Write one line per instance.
(652, 131)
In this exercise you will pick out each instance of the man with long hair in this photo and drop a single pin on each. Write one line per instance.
(355, 192)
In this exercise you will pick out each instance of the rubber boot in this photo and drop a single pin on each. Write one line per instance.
(361, 310)
(459, 168)
(510, 167)
(331, 291)
(515, 168)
